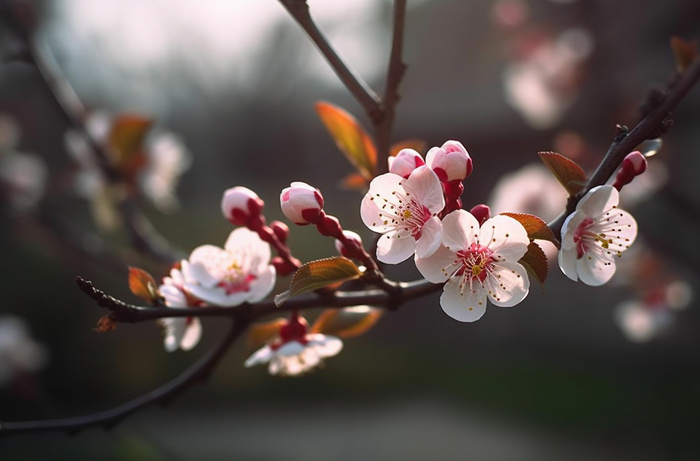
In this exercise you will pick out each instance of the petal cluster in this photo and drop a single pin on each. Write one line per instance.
(479, 263)
(594, 235)
(295, 351)
(179, 332)
(240, 272)
(405, 212)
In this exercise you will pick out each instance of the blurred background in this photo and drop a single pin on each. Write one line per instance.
(574, 372)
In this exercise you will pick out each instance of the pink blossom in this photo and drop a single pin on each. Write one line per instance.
(301, 203)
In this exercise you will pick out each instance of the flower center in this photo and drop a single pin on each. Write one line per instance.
(235, 280)
(587, 236)
(475, 263)
(403, 213)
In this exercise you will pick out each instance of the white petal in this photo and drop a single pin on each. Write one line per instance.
(594, 269)
(598, 200)
(247, 241)
(262, 285)
(508, 284)
(192, 334)
(459, 230)
(430, 239)
(433, 267)
(568, 229)
(262, 355)
(290, 348)
(392, 249)
(424, 184)
(324, 345)
(464, 307)
(505, 236)
(202, 264)
(567, 263)
(381, 187)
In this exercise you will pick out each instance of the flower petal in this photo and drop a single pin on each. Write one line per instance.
(598, 200)
(437, 267)
(370, 209)
(568, 229)
(508, 284)
(430, 239)
(262, 355)
(192, 334)
(567, 263)
(459, 230)
(505, 236)
(262, 285)
(325, 345)
(594, 269)
(425, 186)
(393, 249)
(467, 306)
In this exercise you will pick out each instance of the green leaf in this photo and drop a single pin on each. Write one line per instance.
(142, 284)
(684, 52)
(536, 228)
(567, 172)
(350, 137)
(535, 262)
(347, 322)
(318, 274)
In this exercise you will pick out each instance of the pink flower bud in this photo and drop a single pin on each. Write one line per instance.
(450, 162)
(405, 162)
(633, 165)
(301, 203)
(240, 204)
(481, 213)
(281, 230)
(350, 247)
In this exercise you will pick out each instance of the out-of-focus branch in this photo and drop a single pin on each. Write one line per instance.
(198, 372)
(395, 73)
(143, 235)
(369, 100)
(655, 123)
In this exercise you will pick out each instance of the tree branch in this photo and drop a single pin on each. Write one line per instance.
(198, 372)
(655, 123)
(395, 74)
(369, 100)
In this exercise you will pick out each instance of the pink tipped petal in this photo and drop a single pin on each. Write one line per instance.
(567, 263)
(598, 200)
(459, 230)
(595, 271)
(509, 284)
(436, 267)
(424, 183)
(505, 236)
(370, 213)
(393, 249)
(466, 305)
(430, 239)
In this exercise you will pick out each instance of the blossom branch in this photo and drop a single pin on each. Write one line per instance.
(395, 74)
(299, 9)
(198, 372)
(399, 294)
(654, 124)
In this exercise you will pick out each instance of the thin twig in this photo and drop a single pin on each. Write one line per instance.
(395, 74)
(369, 100)
(198, 372)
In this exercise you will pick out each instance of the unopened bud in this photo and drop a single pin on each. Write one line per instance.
(281, 230)
(481, 213)
(301, 203)
(351, 246)
(451, 162)
(240, 205)
(633, 165)
(405, 162)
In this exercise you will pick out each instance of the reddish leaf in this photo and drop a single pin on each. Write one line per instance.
(567, 172)
(105, 324)
(126, 141)
(684, 52)
(262, 333)
(536, 228)
(348, 322)
(535, 262)
(350, 137)
(318, 274)
(355, 181)
(142, 284)
(418, 145)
